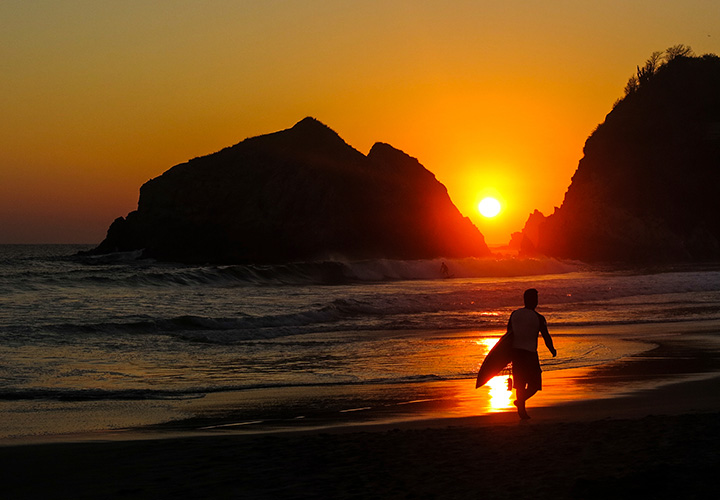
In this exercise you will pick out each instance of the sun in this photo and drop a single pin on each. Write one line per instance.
(489, 207)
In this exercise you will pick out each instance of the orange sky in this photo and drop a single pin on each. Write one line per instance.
(99, 96)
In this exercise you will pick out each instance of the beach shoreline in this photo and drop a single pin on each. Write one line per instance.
(661, 444)
(682, 353)
(655, 436)
(290, 407)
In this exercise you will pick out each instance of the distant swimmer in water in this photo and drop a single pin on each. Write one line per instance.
(444, 270)
(524, 326)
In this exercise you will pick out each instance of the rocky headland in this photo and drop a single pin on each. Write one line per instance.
(646, 189)
(298, 194)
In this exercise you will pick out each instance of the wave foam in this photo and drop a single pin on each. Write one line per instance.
(318, 273)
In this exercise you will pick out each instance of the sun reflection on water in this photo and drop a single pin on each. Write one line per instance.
(500, 397)
(460, 398)
(488, 342)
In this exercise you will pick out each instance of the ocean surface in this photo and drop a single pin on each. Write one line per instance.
(91, 333)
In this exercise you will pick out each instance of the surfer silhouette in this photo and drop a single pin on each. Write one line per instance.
(524, 325)
(444, 270)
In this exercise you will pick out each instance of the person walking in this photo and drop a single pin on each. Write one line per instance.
(524, 325)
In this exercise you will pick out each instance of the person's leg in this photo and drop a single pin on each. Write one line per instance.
(520, 393)
(530, 391)
(532, 386)
(533, 376)
(525, 382)
(520, 384)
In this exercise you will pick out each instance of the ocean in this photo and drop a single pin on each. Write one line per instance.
(96, 343)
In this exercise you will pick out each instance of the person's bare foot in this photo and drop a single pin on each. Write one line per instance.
(521, 410)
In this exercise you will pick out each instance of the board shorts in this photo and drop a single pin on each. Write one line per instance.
(526, 369)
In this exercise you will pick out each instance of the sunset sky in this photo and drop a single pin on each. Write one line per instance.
(495, 98)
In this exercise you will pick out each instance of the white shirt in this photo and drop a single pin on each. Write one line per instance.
(525, 325)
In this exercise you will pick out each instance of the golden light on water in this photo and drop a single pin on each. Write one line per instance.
(489, 343)
(500, 397)
(460, 398)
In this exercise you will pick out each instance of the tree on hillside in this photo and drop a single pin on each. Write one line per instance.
(676, 51)
(656, 61)
(648, 70)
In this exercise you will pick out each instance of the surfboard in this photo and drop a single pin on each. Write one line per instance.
(498, 358)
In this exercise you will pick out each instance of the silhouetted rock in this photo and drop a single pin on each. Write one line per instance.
(526, 241)
(647, 186)
(297, 194)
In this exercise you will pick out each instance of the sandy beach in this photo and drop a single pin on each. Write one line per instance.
(658, 441)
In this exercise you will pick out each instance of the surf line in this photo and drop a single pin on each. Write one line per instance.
(417, 401)
(236, 424)
(356, 409)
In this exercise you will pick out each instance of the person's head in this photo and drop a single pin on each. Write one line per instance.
(530, 297)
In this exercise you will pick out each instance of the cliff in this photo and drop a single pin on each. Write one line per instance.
(297, 194)
(646, 189)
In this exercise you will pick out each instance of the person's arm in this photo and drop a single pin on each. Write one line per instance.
(546, 336)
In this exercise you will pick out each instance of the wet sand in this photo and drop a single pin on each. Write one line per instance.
(657, 436)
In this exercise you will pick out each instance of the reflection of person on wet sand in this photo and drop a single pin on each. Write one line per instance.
(444, 270)
(524, 325)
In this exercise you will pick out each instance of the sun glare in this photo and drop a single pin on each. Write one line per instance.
(500, 397)
(489, 207)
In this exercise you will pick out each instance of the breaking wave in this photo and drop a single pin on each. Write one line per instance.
(338, 272)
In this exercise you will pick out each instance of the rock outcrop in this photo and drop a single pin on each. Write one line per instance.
(297, 194)
(646, 189)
